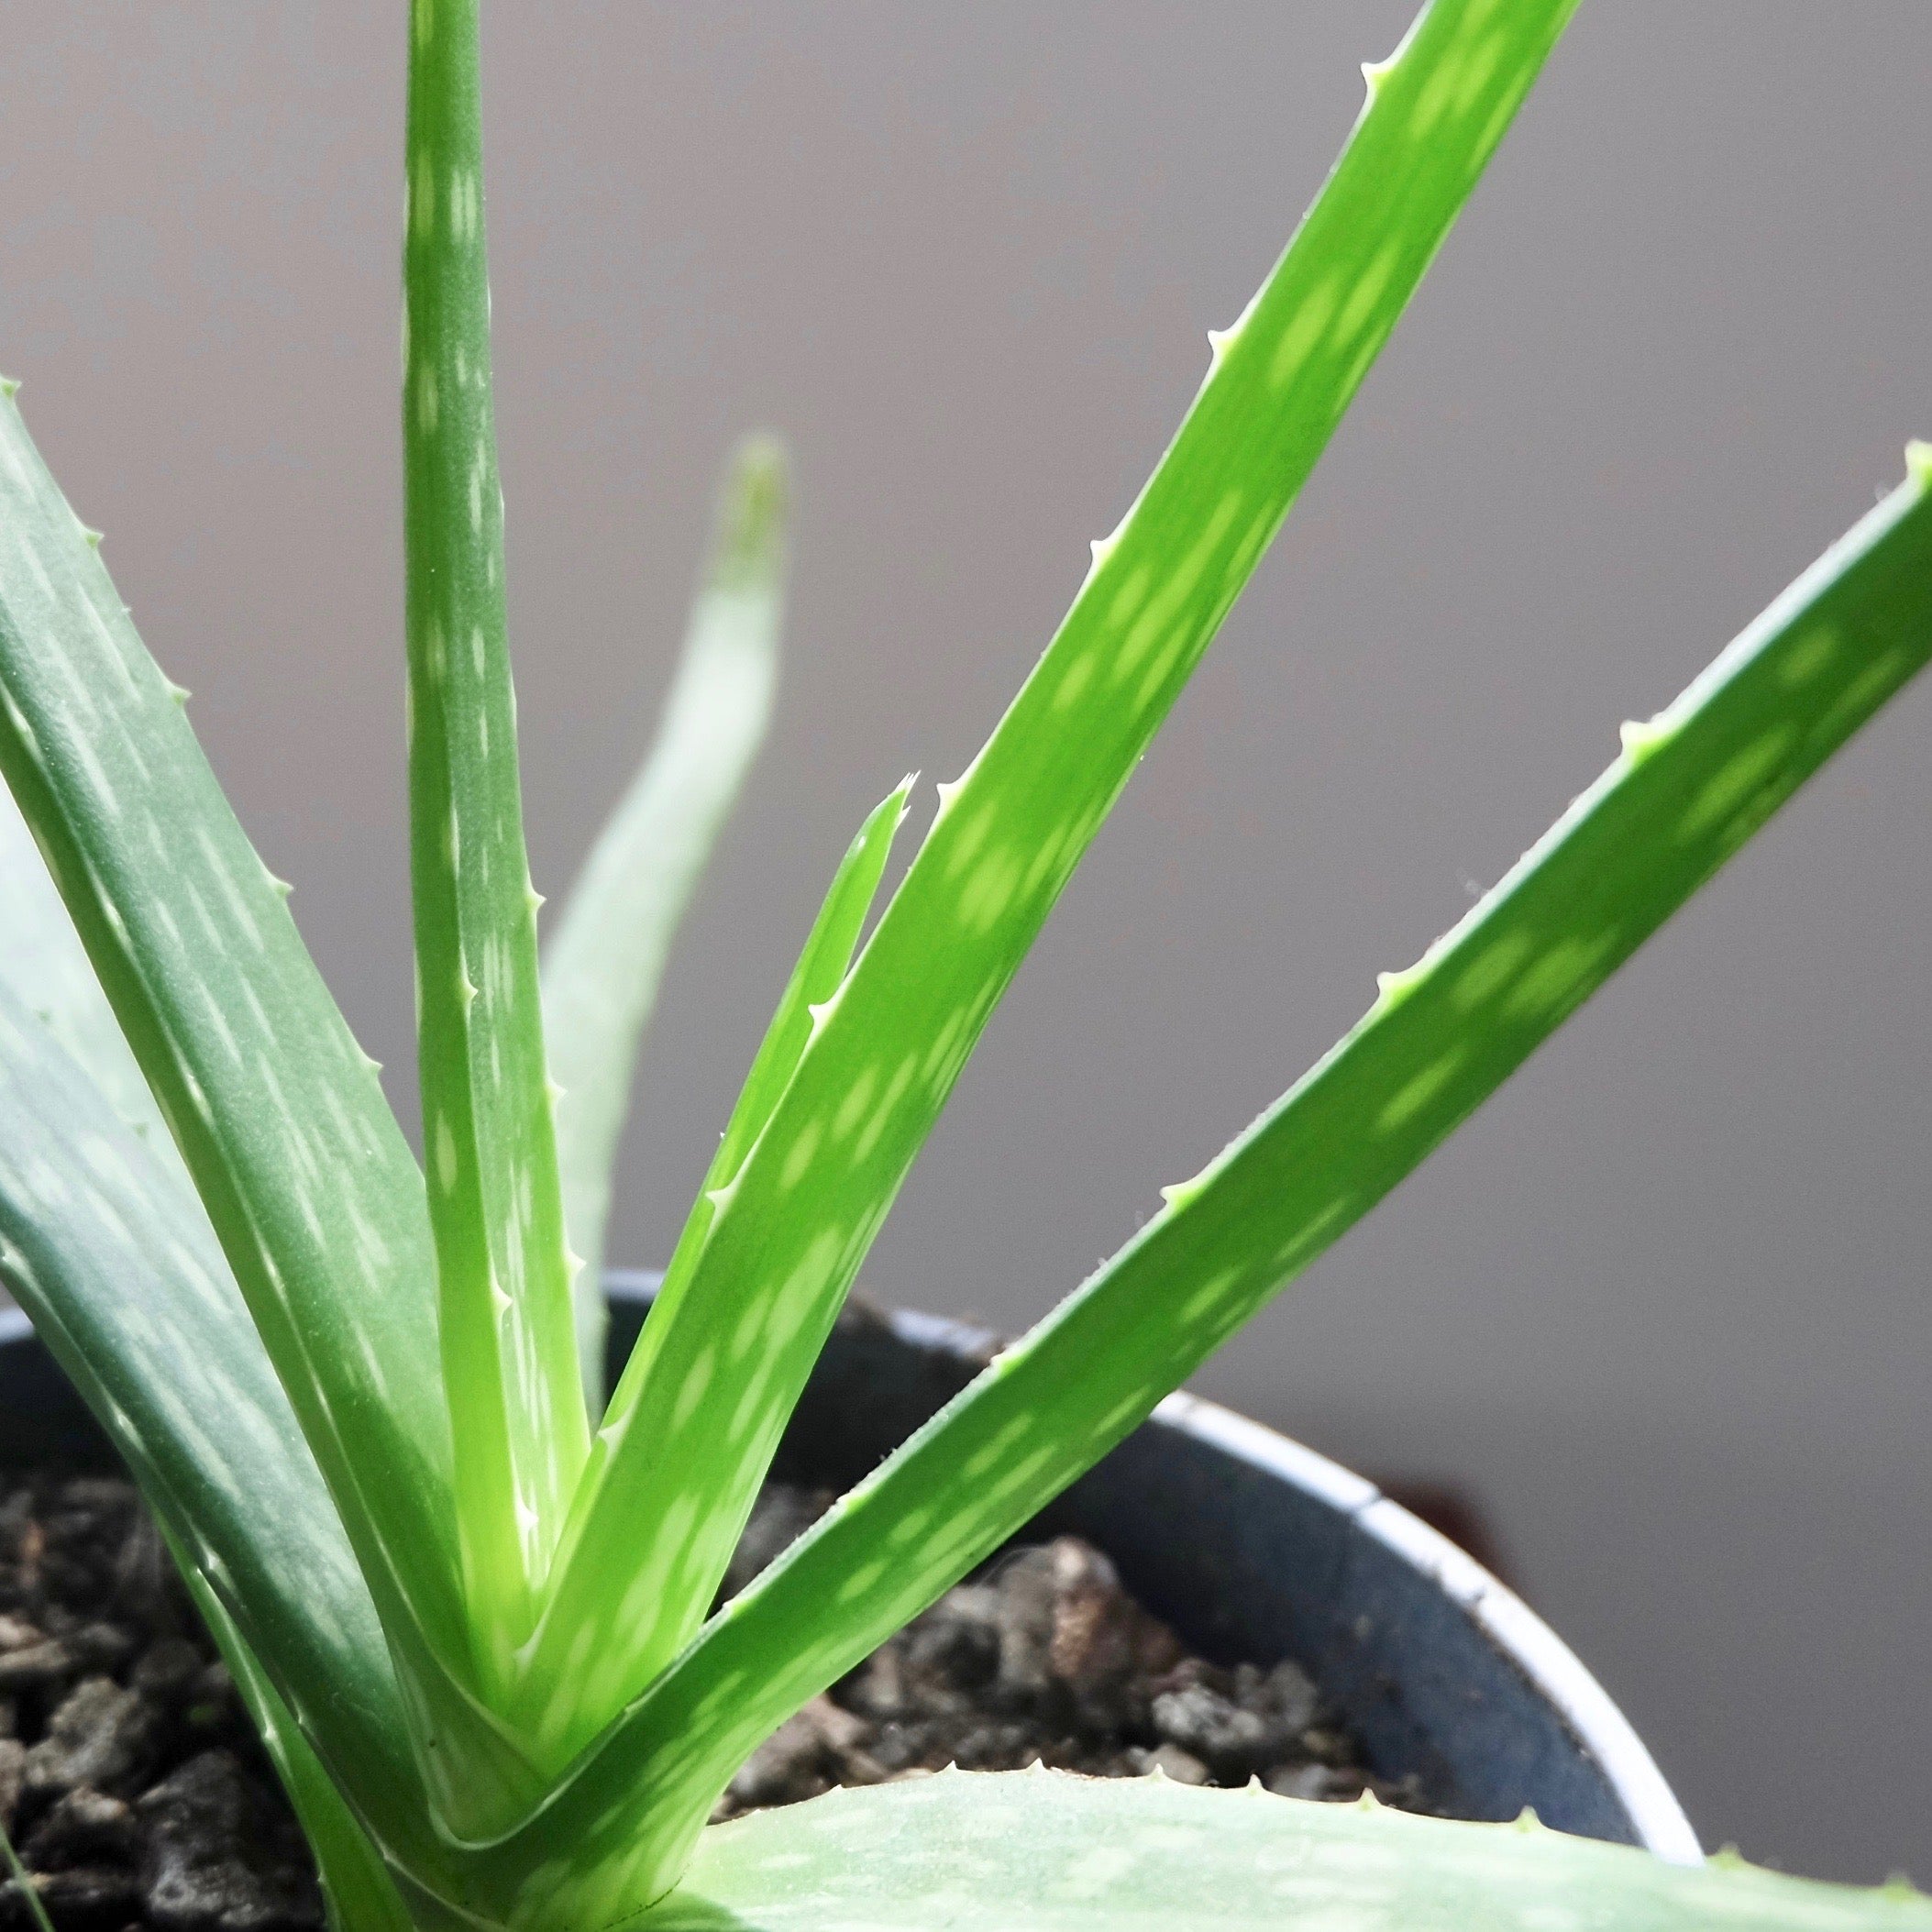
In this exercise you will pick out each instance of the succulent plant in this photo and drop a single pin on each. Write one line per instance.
(467, 1600)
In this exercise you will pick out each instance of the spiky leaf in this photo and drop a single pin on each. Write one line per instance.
(43, 964)
(823, 963)
(116, 1266)
(1046, 1852)
(750, 1316)
(1688, 789)
(503, 1288)
(277, 1114)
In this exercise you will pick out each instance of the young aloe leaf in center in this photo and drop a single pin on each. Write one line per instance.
(489, 1145)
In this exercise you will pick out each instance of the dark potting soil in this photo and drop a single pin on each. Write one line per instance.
(130, 1780)
(134, 1789)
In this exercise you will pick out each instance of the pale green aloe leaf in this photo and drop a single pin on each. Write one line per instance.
(604, 961)
(277, 1112)
(356, 1885)
(45, 965)
(45, 973)
(115, 1265)
(1688, 789)
(671, 1476)
(1048, 1851)
(821, 964)
(509, 1346)
(824, 962)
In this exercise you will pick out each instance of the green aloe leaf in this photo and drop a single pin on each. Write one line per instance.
(824, 962)
(603, 963)
(115, 1265)
(821, 964)
(277, 1114)
(44, 969)
(1046, 1852)
(509, 1346)
(44, 965)
(749, 1319)
(1688, 789)
(356, 1885)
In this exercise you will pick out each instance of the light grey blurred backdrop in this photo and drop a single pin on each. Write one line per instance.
(1663, 1303)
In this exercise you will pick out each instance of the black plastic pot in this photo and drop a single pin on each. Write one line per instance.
(1250, 1545)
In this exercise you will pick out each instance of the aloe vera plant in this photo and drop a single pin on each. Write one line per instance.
(466, 1599)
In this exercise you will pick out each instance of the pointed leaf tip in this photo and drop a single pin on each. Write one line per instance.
(753, 512)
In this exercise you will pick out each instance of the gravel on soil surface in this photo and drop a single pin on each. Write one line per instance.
(131, 1780)
(139, 1800)
(1041, 1655)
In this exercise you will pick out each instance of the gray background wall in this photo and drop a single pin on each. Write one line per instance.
(1662, 1304)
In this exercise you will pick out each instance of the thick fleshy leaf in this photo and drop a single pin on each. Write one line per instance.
(115, 1265)
(1689, 788)
(603, 963)
(824, 962)
(44, 965)
(741, 1329)
(826, 957)
(509, 1344)
(277, 1112)
(1046, 1852)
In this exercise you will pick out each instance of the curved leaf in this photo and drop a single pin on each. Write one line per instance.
(821, 964)
(1046, 1852)
(1687, 791)
(277, 1114)
(116, 1268)
(603, 963)
(44, 965)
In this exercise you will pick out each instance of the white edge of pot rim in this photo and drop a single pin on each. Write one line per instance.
(1502, 1617)
(1508, 1622)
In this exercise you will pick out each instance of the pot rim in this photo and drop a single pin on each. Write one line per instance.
(1554, 1670)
